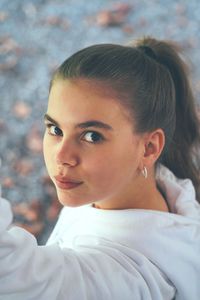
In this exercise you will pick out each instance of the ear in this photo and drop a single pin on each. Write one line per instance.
(154, 144)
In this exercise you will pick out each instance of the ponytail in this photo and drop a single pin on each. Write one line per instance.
(182, 156)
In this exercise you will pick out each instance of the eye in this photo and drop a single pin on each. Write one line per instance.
(93, 137)
(54, 130)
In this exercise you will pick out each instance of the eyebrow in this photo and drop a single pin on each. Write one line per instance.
(90, 123)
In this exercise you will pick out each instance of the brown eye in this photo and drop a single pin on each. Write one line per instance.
(93, 137)
(54, 130)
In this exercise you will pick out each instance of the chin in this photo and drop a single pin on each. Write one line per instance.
(66, 201)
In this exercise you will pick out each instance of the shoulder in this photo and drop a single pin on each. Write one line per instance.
(120, 271)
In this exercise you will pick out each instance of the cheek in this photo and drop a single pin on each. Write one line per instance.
(111, 169)
(47, 152)
(45, 147)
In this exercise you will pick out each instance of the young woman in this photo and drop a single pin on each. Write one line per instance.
(121, 146)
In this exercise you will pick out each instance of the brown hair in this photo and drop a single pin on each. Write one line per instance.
(150, 79)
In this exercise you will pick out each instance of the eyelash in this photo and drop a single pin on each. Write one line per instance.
(49, 126)
(100, 136)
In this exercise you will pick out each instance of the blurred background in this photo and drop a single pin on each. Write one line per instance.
(35, 37)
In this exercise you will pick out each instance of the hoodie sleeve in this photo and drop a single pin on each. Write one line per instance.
(97, 271)
(29, 271)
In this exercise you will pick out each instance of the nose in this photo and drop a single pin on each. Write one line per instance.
(67, 154)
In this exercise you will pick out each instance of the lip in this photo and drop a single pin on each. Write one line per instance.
(66, 183)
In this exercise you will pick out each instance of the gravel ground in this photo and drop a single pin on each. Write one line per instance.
(35, 37)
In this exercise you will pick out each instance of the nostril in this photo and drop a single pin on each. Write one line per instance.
(66, 156)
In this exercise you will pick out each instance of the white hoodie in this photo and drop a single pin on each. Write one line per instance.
(96, 254)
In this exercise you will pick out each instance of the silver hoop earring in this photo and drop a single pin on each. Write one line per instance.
(144, 172)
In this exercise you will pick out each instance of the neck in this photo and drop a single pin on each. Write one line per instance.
(143, 195)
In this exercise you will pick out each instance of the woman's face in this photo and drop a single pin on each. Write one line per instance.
(91, 151)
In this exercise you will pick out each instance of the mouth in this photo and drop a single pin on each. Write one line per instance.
(66, 183)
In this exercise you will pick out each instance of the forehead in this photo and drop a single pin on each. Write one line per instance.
(85, 89)
(85, 99)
